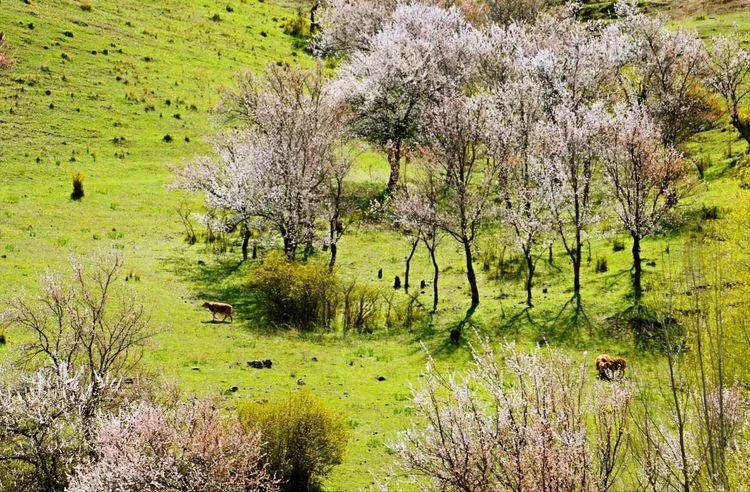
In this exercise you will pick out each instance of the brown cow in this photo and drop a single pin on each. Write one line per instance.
(221, 308)
(610, 368)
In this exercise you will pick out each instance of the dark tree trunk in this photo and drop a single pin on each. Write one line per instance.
(255, 251)
(470, 274)
(637, 267)
(314, 25)
(332, 262)
(576, 258)
(394, 161)
(530, 267)
(551, 257)
(408, 264)
(435, 276)
(245, 241)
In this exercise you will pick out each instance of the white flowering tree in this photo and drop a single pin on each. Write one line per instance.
(280, 167)
(665, 72)
(415, 210)
(518, 114)
(645, 176)
(516, 422)
(461, 158)
(729, 76)
(423, 52)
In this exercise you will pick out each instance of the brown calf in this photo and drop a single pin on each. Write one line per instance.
(610, 368)
(220, 308)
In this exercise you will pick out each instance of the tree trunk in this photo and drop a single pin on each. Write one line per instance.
(436, 274)
(551, 257)
(470, 274)
(529, 276)
(637, 267)
(332, 263)
(255, 251)
(408, 265)
(577, 257)
(245, 241)
(290, 249)
(314, 24)
(394, 161)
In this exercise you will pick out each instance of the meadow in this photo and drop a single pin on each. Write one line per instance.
(118, 96)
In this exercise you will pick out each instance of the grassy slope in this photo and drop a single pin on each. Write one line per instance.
(186, 58)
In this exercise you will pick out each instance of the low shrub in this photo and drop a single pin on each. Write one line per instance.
(302, 295)
(303, 438)
(601, 265)
(361, 308)
(298, 26)
(77, 193)
(617, 245)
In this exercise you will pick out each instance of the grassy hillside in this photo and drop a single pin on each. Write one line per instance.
(98, 90)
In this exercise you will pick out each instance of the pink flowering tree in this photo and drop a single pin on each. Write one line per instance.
(189, 447)
(645, 176)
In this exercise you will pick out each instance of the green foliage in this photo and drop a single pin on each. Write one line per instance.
(298, 26)
(304, 439)
(361, 307)
(601, 264)
(301, 295)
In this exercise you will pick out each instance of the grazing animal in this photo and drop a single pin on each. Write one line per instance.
(220, 308)
(455, 336)
(610, 368)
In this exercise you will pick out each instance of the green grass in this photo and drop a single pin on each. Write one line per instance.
(98, 119)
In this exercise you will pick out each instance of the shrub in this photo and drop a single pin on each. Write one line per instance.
(303, 438)
(77, 193)
(361, 308)
(298, 26)
(601, 264)
(303, 295)
(617, 245)
(216, 18)
(85, 5)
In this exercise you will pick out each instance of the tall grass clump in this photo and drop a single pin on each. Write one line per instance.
(77, 193)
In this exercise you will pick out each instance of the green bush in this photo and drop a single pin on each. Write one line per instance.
(361, 308)
(601, 264)
(301, 295)
(617, 245)
(299, 26)
(304, 439)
